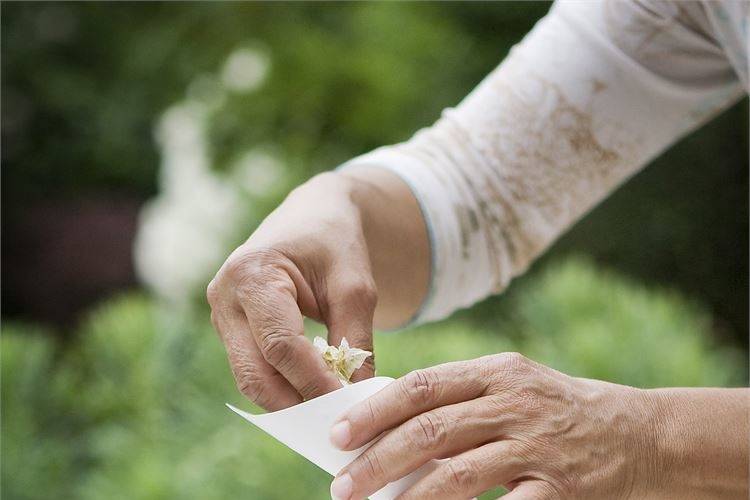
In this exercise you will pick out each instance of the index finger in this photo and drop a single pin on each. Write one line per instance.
(417, 392)
(276, 323)
(256, 379)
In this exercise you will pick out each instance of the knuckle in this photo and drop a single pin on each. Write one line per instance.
(421, 387)
(255, 268)
(260, 282)
(253, 264)
(371, 465)
(235, 266)
(277, 347)
(362, 292)
(212, 293)
(461, 475)
(372, 416)
(311, 388)
(521, 453)
(510, 370)
(513, 359)
(511, 362)
(249, 384)
(547, 492)
(248, 291)
(429, 431)
(260, 297)
(252, 389)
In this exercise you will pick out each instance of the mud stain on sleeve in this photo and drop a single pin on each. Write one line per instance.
(519, 172)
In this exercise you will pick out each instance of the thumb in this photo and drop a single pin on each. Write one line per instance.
(351, 305)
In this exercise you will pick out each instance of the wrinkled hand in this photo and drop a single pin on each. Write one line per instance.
(506, 421)
(309, 258)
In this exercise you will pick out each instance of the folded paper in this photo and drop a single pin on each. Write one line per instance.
(305, 428)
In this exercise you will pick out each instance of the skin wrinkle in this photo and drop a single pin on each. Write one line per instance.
(581, 438)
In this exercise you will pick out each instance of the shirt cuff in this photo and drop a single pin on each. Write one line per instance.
(450, 285)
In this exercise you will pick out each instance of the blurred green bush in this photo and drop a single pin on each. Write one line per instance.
(133, 408)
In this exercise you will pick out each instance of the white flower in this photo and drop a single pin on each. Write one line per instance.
(342, 360)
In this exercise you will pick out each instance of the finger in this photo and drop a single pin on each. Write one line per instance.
(471, 473)
(442, 432)
(351, 306)
(276, 324)
(255, 378)
(417, 392)
(535, 489)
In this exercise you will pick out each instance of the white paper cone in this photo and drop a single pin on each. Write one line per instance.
(306, 427)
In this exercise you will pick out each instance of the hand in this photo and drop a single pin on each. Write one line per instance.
(309, 257)
(339, 245)
(506, 421)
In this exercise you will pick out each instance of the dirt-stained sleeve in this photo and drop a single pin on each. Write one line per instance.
(591, 95)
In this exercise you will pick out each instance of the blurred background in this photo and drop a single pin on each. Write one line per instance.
(142, 141)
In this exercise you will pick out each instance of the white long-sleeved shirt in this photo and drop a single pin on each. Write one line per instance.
(593, 93)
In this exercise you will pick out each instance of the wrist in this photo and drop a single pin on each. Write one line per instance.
(396, 236)
(354, 189)
(632, 422)
(657, 451)
(699, 440)
(627, 434)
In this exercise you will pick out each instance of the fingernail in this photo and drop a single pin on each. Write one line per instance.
(341, 487)
(341, 434)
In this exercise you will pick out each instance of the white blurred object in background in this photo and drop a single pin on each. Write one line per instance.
(245, 69)
(187, 231)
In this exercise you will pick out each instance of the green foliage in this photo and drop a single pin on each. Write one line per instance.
(590, 323)
(38, 445)
(133, 408)
(84, 83)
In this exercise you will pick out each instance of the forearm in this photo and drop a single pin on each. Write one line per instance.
(397, 242)
(574, 110)
(701, 442)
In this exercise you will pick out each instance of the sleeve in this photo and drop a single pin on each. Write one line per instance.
(592, 94)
